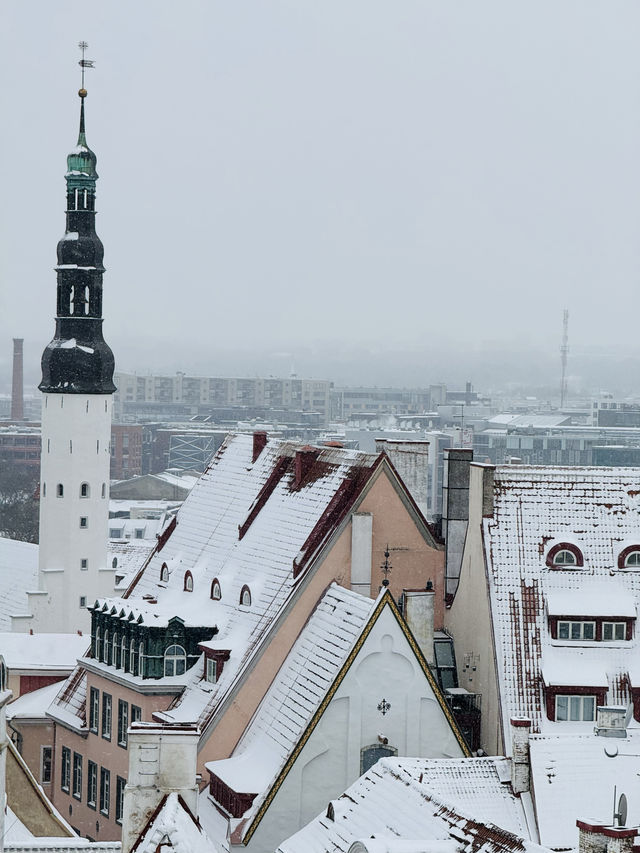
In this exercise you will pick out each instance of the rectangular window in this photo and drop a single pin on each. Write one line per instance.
(614, 630)
(77, 776)
(46, 757)
(120, 783)
(65, 769)
(105, 790)
(92, 784)
(136, 713)
(94, 709)
(211, 670)
(83, 601)
(84, 521)
(575, 708)
(84, 563)
(106, 716)
(123, 722)
(576, 630)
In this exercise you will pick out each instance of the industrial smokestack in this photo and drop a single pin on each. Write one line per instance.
(17, 398)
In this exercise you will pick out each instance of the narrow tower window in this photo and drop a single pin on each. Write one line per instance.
(44, 490)
(60, 490)
(104, 490)
(84, 490)
(84, 522)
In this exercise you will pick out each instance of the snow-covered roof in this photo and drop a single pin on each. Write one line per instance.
(42, 651)
(245, 523)
(575, 779)
(18, 575)
(33, 704)
(129, 556)
(461, 800)
(598, 511)
(172, 825)
(296, 692)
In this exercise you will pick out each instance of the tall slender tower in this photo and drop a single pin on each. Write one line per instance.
(77, 384)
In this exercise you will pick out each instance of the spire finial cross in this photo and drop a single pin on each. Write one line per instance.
(84, 63)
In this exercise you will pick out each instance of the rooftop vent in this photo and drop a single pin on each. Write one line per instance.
(611, 721)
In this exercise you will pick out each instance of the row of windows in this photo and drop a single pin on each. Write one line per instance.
(72, 783)
(577, 630)
(568, 556)
(215, 592)
(85, 490)
(123, 716)
(116, 652)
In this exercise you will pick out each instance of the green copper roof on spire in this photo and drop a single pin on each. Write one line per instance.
(81, 162)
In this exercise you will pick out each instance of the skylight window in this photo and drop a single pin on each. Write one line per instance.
(188, 582)
(629, 558)
(216, 591)
(565, 556)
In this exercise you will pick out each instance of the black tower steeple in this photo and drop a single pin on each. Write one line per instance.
(78, 361)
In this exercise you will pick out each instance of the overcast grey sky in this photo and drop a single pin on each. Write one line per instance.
(341, 176)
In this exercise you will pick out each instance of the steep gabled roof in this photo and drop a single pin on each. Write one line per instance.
(596, 510)
(423, 799)
(173, 827)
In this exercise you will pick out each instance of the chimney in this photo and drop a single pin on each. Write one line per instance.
(411, 461)
(162, 759)
(594, 837)
(305, 457)
(259, 443)
(455, 513)
(418, 613)
(17, 400)
(520, 770)
(361, 552)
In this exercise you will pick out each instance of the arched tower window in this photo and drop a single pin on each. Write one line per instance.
(60, 490)
(175, 660)
(245, 596)
(84, 490)
(104, 490)
(44, 490)
(216, 591)
(114, 563)
(188, 582)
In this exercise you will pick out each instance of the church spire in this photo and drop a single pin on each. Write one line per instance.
(78, 361)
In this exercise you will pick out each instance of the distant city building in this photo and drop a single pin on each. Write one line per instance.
(126, 451)
(20, 446)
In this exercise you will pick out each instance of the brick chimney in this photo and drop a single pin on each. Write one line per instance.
(17, 398)
(520, 769)
(162, 759)
(305, 457)
(596, 838)
(259, 443)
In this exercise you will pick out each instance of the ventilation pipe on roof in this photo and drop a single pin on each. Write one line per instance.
(259, 443)
(598, 838)
(520, 770)
(162, 759)
(305, 457)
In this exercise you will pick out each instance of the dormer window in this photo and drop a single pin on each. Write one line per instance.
(245, 596)
(575, 708)
(576, 630)
(188, 582)
(216, 591)
(629, 558)
(565, 556)
(175, 660)
(164, 572)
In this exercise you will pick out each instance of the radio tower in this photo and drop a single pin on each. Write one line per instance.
(564, 351)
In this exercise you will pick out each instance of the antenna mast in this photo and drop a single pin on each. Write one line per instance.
(564, 352)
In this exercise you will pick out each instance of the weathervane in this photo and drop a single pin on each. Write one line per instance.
(386, 567)
(84, 63)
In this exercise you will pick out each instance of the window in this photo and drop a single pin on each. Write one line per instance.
(114, 563)
(115, 650)
(46, 759)
(77, 776)
(370, 754)
(120, 783)
(84, 522)
(65, 769)
(106, 716)
(188, 582)
(575, 708)
(104, 490)
(614, 630)
(124, 653)
(98, 645)
(629, 558)
(44, 490)
(216, 592)
(60, 490)
(139, 532)
(564, 555)
(92, 784)
(106, 648)
(84, 490)
(132, 660)
(245, 596)
(84, 563)
(94, 709)
(576, 630)
(136, 713)
(164, 572)
(105, 790)
(175, 660)
(123, 722)
(211, 670)
(141, 660)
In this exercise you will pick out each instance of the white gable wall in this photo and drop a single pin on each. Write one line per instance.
(385, 668)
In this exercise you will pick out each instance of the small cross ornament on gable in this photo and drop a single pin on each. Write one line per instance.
(384, 706)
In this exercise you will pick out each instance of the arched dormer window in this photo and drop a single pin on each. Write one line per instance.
(216, 591)
(188, 582)
(141, 660)
(164, 572)
(97, 648)
(84, 490)
(565, 555)
(245, 596)
(124, 653)
(629, 558)
(175, 660)
(133, 669)
(115, 651)
(106, 648)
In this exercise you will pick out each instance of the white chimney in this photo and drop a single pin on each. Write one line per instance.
(594, 837)
(520, 769)
(419, 615)
(361, 552)
(162, 759)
